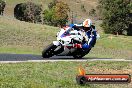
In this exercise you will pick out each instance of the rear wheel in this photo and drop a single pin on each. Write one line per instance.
(80, 53)
(49, 51)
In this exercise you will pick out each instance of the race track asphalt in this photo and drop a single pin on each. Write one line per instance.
(14, 58)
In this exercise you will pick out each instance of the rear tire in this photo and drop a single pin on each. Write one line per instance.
(80, 53)
(49, 51)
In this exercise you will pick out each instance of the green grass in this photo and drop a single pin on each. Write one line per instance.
(18, 50)
(58, 74)
(17, 36)
(28, 38)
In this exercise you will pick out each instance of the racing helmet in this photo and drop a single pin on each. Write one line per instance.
(87, 23)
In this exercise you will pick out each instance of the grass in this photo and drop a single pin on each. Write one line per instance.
(16, 36)
(59, 74)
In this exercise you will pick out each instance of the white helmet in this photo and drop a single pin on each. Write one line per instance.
(87, 23)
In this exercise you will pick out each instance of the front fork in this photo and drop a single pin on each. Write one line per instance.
(59, 49)
(57, 43)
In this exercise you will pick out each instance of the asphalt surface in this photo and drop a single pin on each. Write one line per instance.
(15, 58)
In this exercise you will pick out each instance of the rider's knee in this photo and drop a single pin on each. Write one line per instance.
(85, 46)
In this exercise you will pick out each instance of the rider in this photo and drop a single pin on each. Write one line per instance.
(89, 33)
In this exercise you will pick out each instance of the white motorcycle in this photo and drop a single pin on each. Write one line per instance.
(65, 45)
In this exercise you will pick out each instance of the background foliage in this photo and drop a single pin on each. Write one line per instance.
(57, 14)
(2, 6)
(116, 15)
(29, 12)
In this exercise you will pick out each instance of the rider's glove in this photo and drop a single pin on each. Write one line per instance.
(98, 36)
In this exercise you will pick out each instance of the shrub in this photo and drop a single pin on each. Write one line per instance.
(57, 14)
(48, 17)
(29, 12)
(83, 8)
(52, 4)
(2, 6)
(18, 11)
(92, 12)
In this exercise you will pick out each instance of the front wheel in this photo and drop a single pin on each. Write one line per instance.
(49, 51)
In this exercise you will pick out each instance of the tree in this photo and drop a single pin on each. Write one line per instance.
(32, 12)
(57, 14)
(48, 17)
(115, 15)
(92, 12)
(52, 4)
(61, 13)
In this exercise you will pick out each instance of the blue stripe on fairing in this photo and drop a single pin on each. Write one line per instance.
(62, 35)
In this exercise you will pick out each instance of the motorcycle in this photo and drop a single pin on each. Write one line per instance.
(67, 44)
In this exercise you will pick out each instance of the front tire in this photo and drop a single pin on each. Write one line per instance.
(49, 51)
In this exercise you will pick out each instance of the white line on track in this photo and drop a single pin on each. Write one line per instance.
(61, 60)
